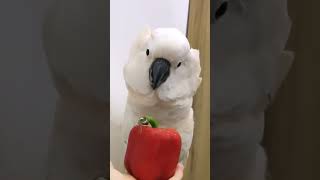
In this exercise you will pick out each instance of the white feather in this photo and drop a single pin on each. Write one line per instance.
(171, 103)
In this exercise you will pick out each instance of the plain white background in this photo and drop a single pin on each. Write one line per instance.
(127, 19)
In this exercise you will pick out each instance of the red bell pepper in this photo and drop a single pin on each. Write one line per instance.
(152, 153)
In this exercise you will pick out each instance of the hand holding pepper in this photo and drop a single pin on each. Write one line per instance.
(116, 175)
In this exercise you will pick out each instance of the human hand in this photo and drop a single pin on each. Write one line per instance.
(116, 175)
(179, 172)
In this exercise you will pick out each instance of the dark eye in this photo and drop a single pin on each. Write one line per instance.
(221, 10)
(179, 64)
(147, 52)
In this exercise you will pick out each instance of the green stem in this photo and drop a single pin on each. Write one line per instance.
(149, 120)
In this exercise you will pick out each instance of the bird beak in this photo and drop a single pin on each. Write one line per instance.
(159, 71)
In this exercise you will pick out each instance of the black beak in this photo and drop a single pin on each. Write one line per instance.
(159, 71)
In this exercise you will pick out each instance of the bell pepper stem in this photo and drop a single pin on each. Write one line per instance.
(149, 120)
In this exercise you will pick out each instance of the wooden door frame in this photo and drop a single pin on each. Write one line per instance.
(198, 33)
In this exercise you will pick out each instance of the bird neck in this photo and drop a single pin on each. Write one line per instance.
(165, 112)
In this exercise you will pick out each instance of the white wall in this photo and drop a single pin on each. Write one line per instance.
(127, 19)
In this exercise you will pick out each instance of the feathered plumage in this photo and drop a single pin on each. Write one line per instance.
(162, 75)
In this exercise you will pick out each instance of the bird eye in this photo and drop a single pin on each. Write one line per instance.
(147, 52)
(179, 64)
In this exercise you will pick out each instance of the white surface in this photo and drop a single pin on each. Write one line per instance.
(127, 19)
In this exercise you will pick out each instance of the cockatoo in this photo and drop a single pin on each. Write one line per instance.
(162, 76)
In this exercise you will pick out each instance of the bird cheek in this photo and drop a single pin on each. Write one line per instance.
(136, 76)
(169, 90)
(197, 85)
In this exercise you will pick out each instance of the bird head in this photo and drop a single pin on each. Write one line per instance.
(162, 66)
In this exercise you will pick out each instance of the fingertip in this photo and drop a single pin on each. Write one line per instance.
(179, 172)
(180, 166)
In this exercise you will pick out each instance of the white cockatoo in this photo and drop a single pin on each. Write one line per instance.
(249, 64)
(162, 75)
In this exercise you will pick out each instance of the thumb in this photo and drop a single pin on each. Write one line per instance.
(179, 172)
(116, 175)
